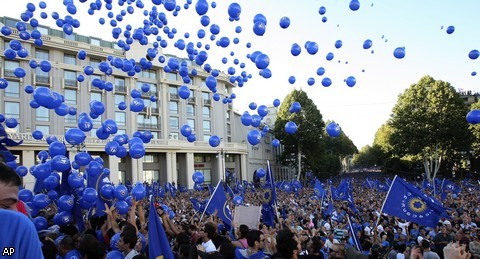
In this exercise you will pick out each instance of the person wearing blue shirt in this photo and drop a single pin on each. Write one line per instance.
(18, 237)
(67, 249)
(256, 243)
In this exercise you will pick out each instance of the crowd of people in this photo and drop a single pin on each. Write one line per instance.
(302, 228)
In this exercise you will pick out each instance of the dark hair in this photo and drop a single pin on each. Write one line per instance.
(127, 226)
(286, 242)
(129, 238)
(252, 236)
(85, 242)
(140, 257)
(425, 244)
(402, 247)
(8, 176)
(67, 243)
(210, 229)
(96, 249)
(316, 244)
(243, 231)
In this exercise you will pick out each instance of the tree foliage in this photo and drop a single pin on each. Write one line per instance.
(428, 123)
(319, 152)
(475, 129)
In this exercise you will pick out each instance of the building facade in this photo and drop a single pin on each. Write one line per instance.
(169, 156)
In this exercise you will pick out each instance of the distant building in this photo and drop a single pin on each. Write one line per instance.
(169, 156)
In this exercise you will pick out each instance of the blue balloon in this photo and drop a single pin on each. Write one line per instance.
(276, 102)
(40, 201)
(97, 107)
(290, 127)
(399, 52)
(214, 141)
(137, 150)
(450, 29)
(237, 200)
(351, 81)
(57, 148)
(60, 163)
(89, 194)
(40, 223)
(329, 56)
(254, 137)
(138, 192)
(312, 47)
(333, 130)
(191, 138)
(184, 92)
(76, 180)
(198, 177)
(275, 142)
(186, 130)
(25, 195)
(137, 105)
(259, 28)
(311, 81)
(260, 172)
(63, 218)
(320, 71)
(295, 107)
(234, 10)
(473, 117)
(19, 72)
(354, 5)
(122, 207)
(326, 82)
(262, 110)
(367, 44)
(75, 136)
(474, 54)
(201, 7)
(11, 123)
(66, 202)
(284, 22)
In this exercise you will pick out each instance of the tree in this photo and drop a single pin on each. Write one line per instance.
(476, 133)
(428, 124)
(306, 142)
(341, 147)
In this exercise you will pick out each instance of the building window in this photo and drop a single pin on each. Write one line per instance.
(191, 123)
(206, 111)
(174, 122)
(44, 129)
(95, 62)
(151, 74)
(42, 54)
(207, 126)
(70, 37)
(207, 175)
(70, 78)
(12, 110)
(149, 158)
(71, 119)
(229, 130)
(121, 131)
(206, 98)
(120, 85)
(150, 176)
(42, 114)
(173, 92)
(150, 122)
(153, 105)
(173, 107)
(120, 118)
(71, 97)
(69, 59)
(13, 89)
(96, 97)
(171, 76)
(152, 88)
(10, 67)
(190, 110)
(95, 42)
(42, 30)
(227, 115)
(154, 135)
(174, 135)
(119, 98)
(41, 77)
(206, 137)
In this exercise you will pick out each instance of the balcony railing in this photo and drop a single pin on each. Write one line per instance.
(148, 126)
(121, 88)
(42, 79)
(207, 102)
(191, 100)
(9, 73)
(173, 96)
(70, 83)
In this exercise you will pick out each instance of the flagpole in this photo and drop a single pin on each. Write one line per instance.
(381, 210)
(209, 200)
(357, 245)
(272, 183)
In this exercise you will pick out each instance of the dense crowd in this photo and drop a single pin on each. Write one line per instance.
(302, 227)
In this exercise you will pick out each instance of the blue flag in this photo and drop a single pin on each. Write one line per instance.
(270, 199)
(158, 245)
(448, 185)
(405, 201)
(318, 189)
(353, 233)
(198, 206)
(218, 201)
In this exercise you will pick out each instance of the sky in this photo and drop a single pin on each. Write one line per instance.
(418, 26)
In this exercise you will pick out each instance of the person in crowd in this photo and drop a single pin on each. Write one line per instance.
(441, 240)
(256, 243)
(127, 243)
(288, 246)
(427, 253)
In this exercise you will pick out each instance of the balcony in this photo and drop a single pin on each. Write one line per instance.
(121, 88)
(147, 126)
(207, 102)
(9, 73)
(149, 93)
(42, 80)
(191, 100)
(70, 83)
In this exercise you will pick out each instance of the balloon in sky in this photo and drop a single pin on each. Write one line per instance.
(312, 47)
(333, 130)
(338, 44)
(275, 142)
(260, 172)
(186, 130)
(473, 54)
(326, 82)
(367, 44)
(351, 81)
(259, 28)
(291, 80)
(254, 137)
(234, 10)
(354, 5)
(295, 107)
(399, 52)
(450, 29)
(276, 102)
(284, 22)
(322, 10)
(201, 7)
(295, 49)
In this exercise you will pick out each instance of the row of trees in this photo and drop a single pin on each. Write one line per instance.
(310, 148)
(426, 132)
